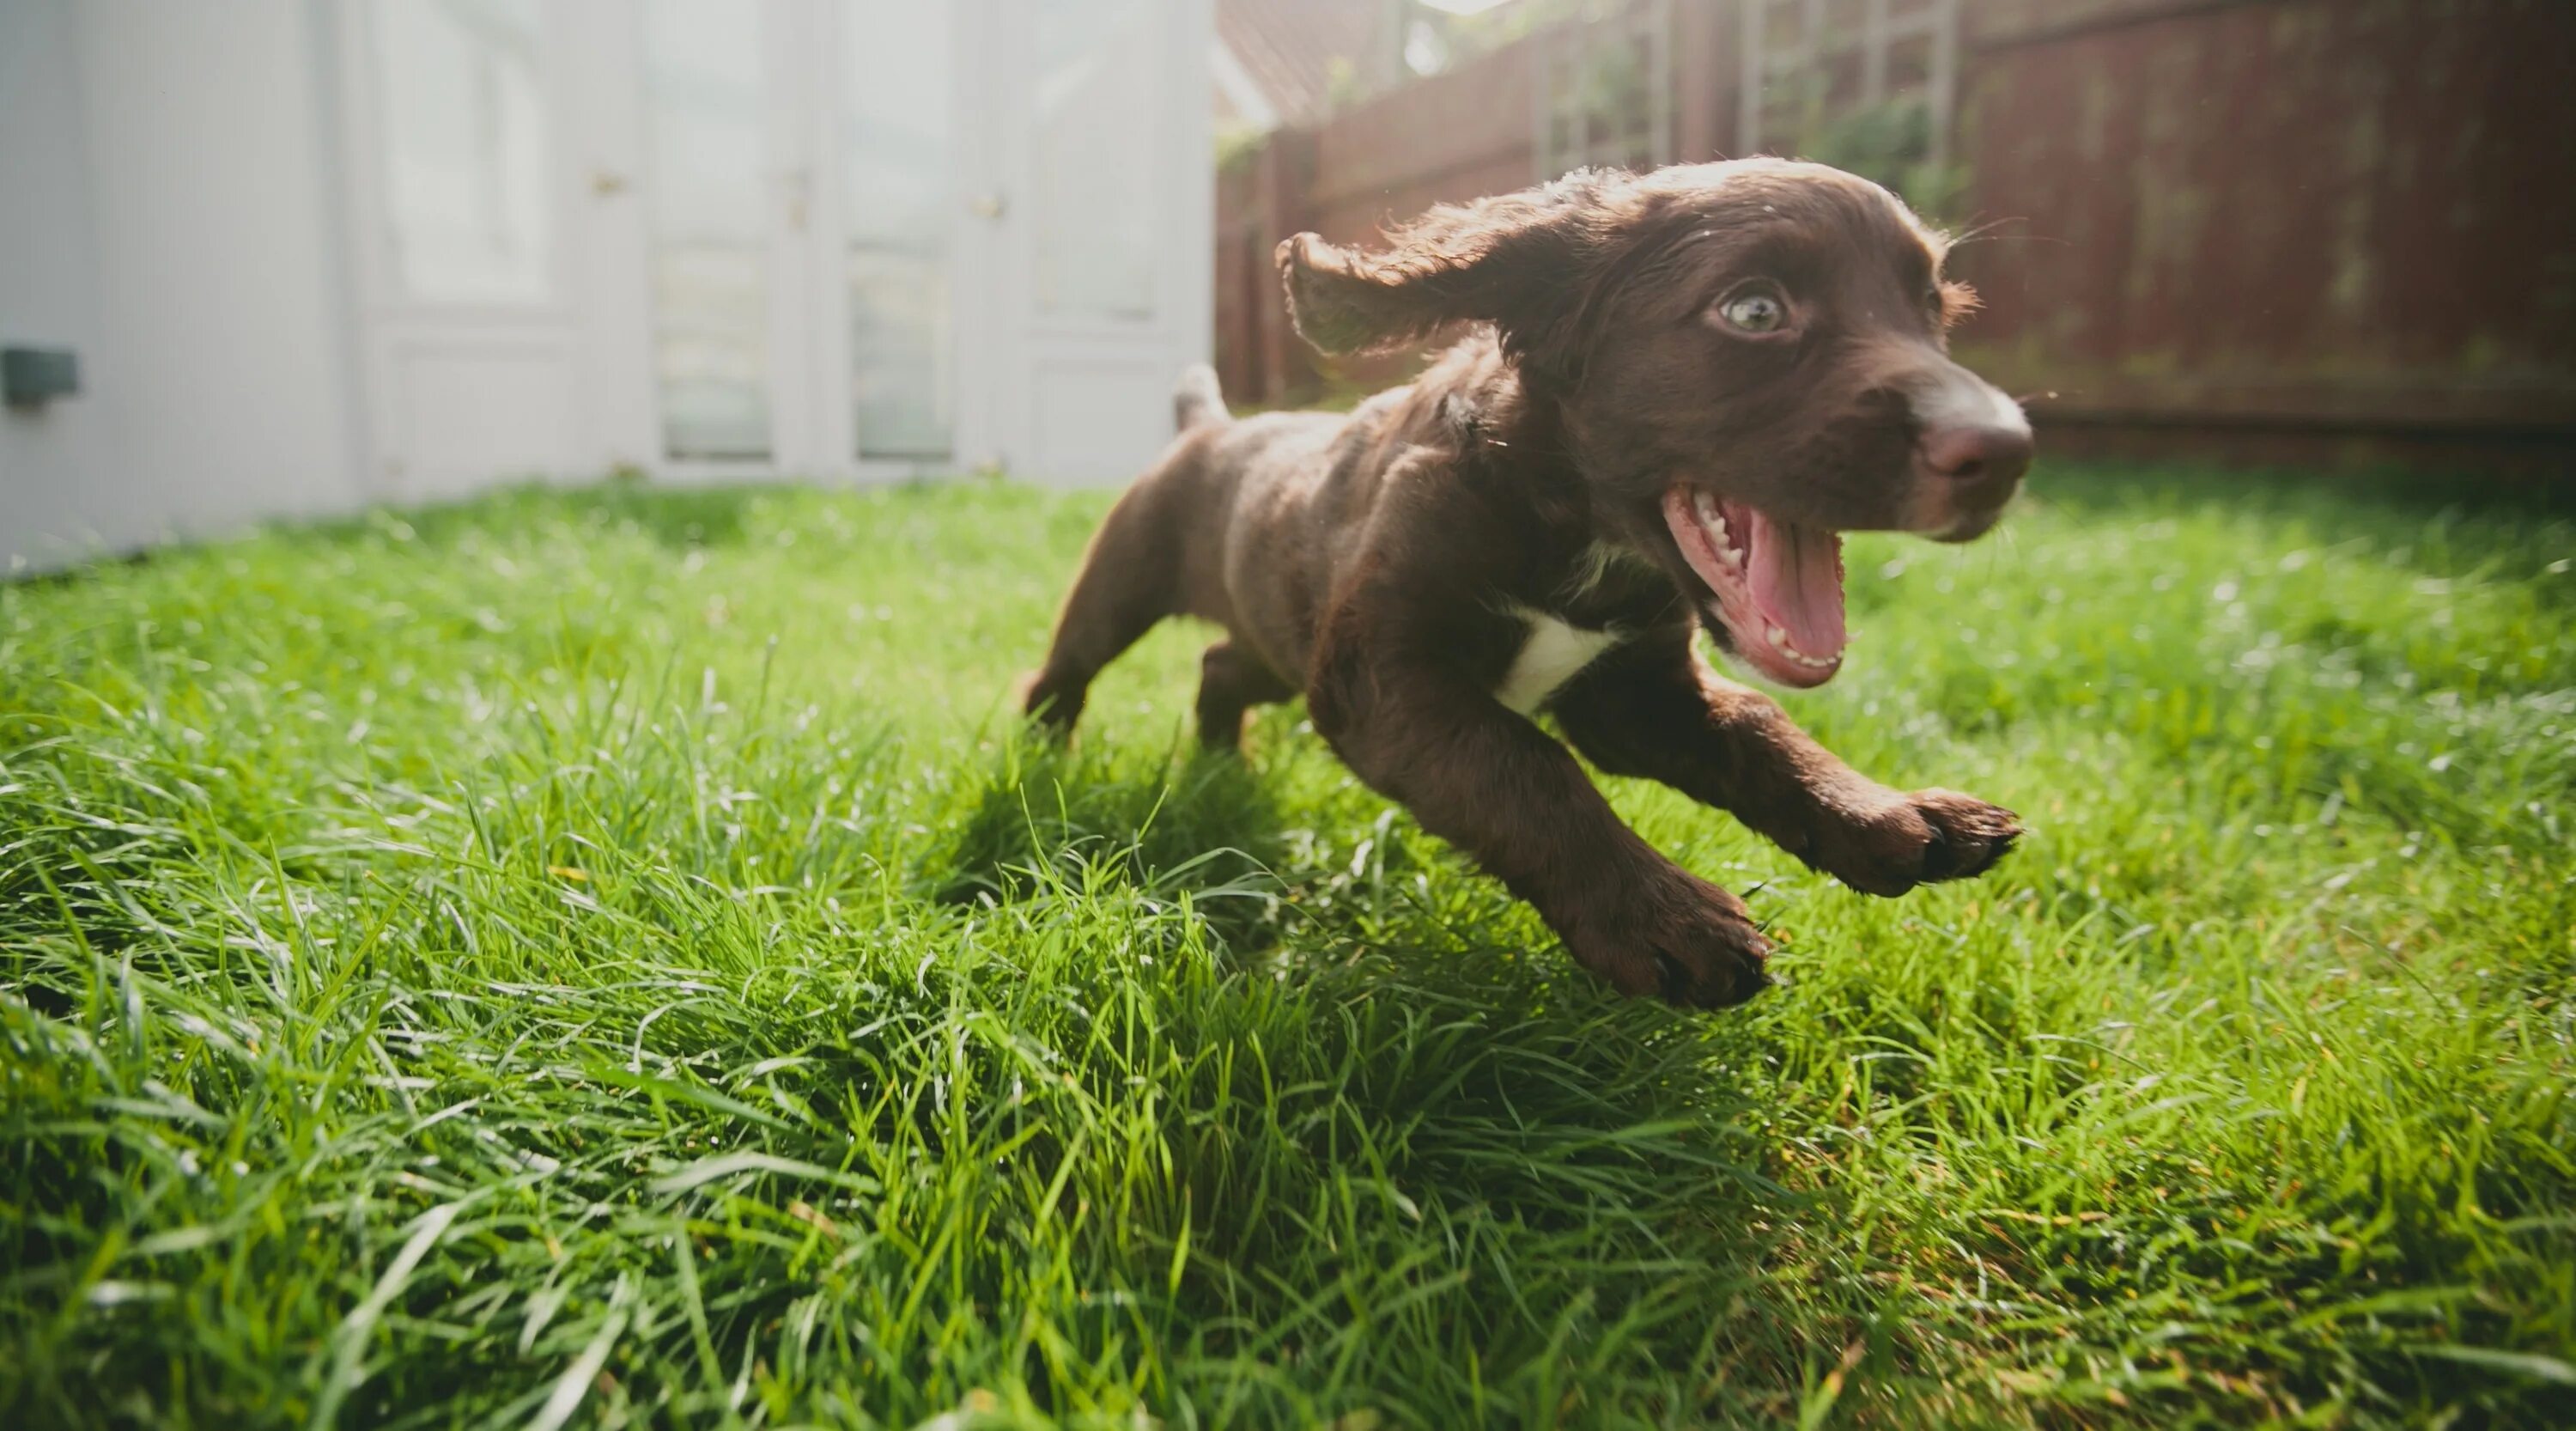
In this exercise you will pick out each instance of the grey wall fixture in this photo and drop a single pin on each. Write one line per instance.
(32, 376)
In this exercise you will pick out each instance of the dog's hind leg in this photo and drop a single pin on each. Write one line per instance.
(1129, 581)
(1232, 680)
(1154, 556)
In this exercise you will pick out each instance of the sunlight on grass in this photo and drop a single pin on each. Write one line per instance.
(609, 955)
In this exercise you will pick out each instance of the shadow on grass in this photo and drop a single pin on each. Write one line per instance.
(1433, 1073)
(1206, 826)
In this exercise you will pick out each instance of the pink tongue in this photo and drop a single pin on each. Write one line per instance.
(1797, 578)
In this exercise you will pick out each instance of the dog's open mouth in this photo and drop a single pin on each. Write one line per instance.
(1778, 586)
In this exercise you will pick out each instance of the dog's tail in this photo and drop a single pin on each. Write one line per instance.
(1197, 400)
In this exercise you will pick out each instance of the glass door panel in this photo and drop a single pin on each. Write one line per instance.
(464, 130)
(1101, 116)
(899, 204)
(1099, 86)
(469, 336)
(706, 132)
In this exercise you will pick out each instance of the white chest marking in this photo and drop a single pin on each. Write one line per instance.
(1552, 654)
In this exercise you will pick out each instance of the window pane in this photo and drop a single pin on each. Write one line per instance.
(704, 121)
(461, 84)
(898, 196)
(1099, 99)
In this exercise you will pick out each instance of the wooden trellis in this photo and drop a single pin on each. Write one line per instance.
(1809, 62)
(1605, 89)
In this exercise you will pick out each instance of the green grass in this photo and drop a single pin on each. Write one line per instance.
(608, 958)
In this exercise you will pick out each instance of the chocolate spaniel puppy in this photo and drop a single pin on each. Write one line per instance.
(1680, 388)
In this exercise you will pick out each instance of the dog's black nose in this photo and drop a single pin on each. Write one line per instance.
(1986, 457)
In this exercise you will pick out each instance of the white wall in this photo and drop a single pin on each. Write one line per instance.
(50, 457)
(173, 206)
(171, 212)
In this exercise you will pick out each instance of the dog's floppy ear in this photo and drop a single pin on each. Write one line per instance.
(1519, 261)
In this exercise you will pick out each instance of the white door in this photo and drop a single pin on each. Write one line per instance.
(725, 188)
(804, 237)
(467, 227)
(821, 238)
(906, 235)
(1104, 262)
(908, 252)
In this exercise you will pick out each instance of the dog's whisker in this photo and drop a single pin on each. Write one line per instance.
(1985, 230)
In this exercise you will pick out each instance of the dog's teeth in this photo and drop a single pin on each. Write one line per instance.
(1713, 520)
(1780, 642)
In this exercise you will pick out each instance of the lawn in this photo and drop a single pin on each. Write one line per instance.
(609, 957)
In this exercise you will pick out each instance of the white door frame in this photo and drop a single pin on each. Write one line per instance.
(1045, 371)
(812, 431)
(403, 341)
(972, 251)
(593, 339)
(624, 239)
(607, 156)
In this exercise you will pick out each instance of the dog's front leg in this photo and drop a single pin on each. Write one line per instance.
(1655, 709)
(1486, 780)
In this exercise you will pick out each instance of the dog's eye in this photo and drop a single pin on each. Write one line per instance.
(1754, 310)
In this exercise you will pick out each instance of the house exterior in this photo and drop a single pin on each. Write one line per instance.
(312, 254)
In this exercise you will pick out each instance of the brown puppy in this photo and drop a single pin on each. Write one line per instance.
(1685, 384)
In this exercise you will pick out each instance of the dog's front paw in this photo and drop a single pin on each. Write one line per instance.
(1894, 844)
(1677, 937)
